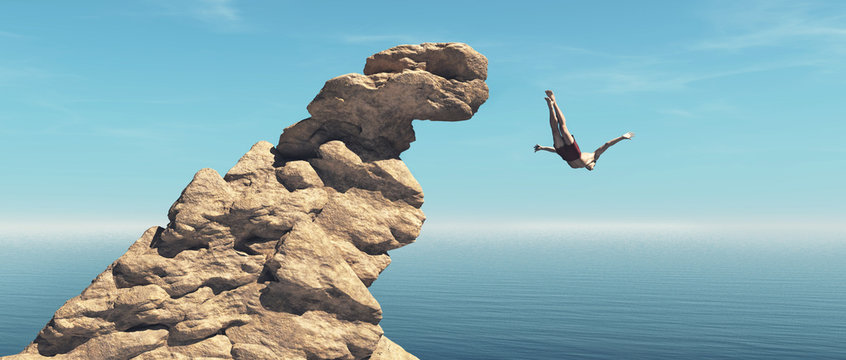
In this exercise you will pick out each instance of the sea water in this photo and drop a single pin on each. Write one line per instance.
(541, 294)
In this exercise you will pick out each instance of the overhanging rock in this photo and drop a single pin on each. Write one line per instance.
(273, 260)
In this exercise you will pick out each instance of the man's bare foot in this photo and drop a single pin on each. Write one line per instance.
(548, 100)
(550, 95)
(537, 147)
(628, 135)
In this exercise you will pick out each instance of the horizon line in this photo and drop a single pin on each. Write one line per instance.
(18, 228)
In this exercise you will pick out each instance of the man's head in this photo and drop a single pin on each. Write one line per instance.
(589, 160)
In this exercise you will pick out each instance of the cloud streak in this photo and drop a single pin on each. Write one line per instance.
(393, 38)
(778, 35)
(220, 15)
(773, 24)
(624, 79)
(11, 35)
(15, 75)
(745, 38)
(220, 12)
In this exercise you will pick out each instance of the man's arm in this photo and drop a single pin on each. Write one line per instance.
(607, 145)
(545, 148)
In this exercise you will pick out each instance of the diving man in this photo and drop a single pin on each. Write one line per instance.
(564, 144)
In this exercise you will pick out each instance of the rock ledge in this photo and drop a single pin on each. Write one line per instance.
(273, 260)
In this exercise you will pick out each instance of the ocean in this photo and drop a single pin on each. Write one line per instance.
(622, 293)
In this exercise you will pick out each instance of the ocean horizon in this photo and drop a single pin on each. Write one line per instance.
(587, 293)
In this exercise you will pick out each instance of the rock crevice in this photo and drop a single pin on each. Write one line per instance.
(273, 259)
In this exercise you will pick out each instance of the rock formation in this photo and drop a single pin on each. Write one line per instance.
(273, 260)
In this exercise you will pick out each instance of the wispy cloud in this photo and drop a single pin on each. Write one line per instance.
(135, 133)
(372, 38)
(677, 113)
(12, 35)
(63, 117)
(697, 111)
(745, 38)
(775, 23)
(16, 74)
(220, 12)
(9, 74)
(220, 15)
(605, 55)
(626, 78)
(775, 36)
(137, 100)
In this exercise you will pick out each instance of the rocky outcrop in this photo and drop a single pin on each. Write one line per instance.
(372, 113)
(273, 260)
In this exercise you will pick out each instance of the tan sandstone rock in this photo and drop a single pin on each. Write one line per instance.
(273, 259)
(388, 350)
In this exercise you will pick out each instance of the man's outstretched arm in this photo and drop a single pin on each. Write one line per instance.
(607, 145)
(545, 148)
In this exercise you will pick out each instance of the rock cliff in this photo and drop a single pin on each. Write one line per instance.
(273, 260)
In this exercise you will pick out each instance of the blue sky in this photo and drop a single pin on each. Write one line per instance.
(108, 108)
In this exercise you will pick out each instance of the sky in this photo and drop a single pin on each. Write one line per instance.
(108, 108)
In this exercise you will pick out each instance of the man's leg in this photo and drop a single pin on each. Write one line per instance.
(559, 116)
(557, 138)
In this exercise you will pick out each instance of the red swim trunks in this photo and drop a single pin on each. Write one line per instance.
(569, 152)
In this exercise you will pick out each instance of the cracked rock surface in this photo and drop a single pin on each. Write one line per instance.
(274, 259)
